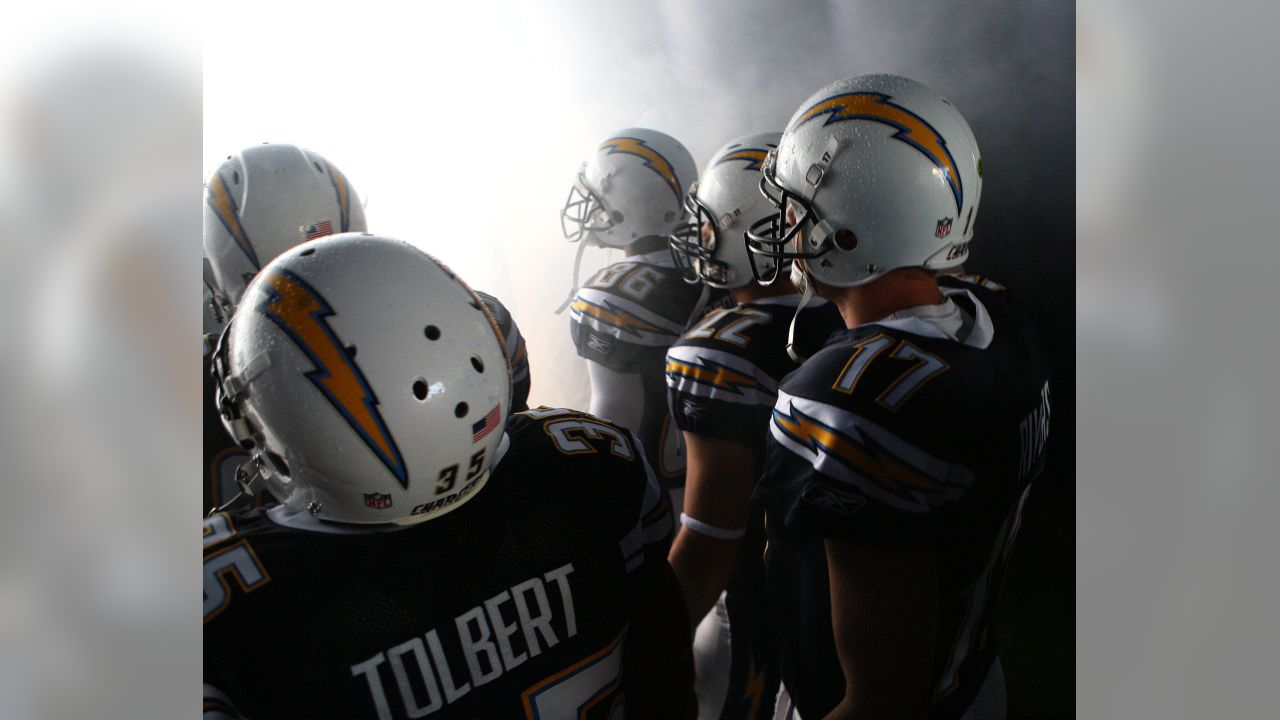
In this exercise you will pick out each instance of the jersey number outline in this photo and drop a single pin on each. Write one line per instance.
(588, 689)
(570, 436)
(638, 280)
(712, 326)
(239, 561)
(926, 367)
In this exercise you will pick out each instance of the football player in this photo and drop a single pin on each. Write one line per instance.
(430, 553)
(901, 453)
(722, 380)
(258, 203)
(630, 195)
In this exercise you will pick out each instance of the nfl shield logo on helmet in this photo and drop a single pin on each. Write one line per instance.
(377, 501)
(944, 228)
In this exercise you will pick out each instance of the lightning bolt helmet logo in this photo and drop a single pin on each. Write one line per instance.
(911, 129)
(652, 160)
(753, 158)
(301, 312)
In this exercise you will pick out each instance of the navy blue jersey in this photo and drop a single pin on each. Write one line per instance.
(897, 436)
(624, 318)
(517, 355)
(515, 604)
(722, 380)
(723, 374)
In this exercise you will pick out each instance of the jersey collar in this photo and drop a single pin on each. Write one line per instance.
(946, 320)
(661, 258)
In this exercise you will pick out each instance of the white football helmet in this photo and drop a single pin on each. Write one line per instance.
(263, 201)
(881, 173)
(721, 205)
(368, 382)
(632, 188)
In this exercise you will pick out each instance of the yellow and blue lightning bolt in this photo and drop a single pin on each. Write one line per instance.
(615, 316)
(867, 458)
(300, 311)
(224, 206)
(754, 158)
(343, 194)
(912, 129)
(652, 160)
(712, 373)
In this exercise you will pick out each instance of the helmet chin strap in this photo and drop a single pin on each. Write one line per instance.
(699, 306)
(801, 279)
(249, 481)
(577, 266)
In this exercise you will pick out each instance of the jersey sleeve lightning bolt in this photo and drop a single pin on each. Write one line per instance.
(629, 313)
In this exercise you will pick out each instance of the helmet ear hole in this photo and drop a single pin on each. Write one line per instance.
(432, 332)
(460, 410)
(845, 239)
(420, 389)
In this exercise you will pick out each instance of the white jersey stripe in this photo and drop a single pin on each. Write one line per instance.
(718, 375)
(851, 449)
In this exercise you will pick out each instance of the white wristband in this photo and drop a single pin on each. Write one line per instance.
(702, 528)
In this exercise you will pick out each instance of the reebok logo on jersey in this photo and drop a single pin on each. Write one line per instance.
(600, 343)
(833, 499)
(691, 409)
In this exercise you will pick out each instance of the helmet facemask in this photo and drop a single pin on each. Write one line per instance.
(584, 212)
(694, 243)
(771, 236)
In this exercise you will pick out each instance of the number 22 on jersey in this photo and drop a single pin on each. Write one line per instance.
(729, 324)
